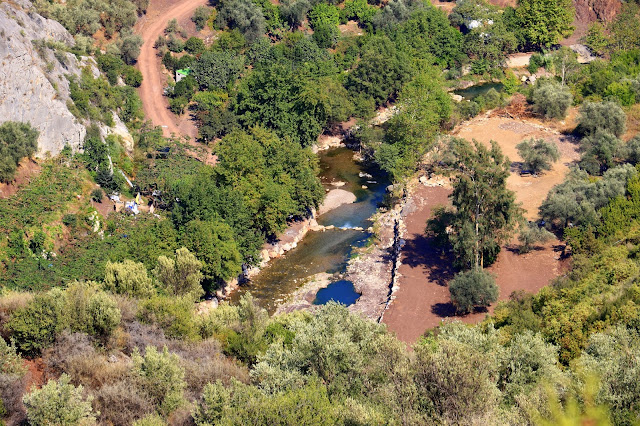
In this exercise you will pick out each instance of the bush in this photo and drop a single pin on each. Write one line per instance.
(121, 404)
(128, 278)
(58, 403)
(605, 116)
(537, 155)
(599, 150)
(194, 45)
(200, 17)
(180, 276)
(132, 76)
(130, 48)
(551, 100)
(177, 105)
(532, 234)
(161, 377)
(475, 288)
(10, 361)
(175, 44)
(35, 326)
(174, 315)
(70, 220)
(97, 194)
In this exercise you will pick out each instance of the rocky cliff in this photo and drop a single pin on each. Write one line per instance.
(33, 86)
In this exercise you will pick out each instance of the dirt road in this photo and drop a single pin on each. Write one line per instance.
(150, 27)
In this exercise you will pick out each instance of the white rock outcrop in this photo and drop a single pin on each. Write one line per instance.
(33, 83)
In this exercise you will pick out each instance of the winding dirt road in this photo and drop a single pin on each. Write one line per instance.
(152, 25)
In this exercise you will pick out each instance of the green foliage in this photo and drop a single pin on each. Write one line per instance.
(212, 242)
(97, 195)
(532, 234)
(217, 70)
(181, 276)
(35, 326)
(624, 30)
(162, 377)
(485, 210)
(175, 315)
(577, 200)
(128, 278)
(89, 310)
(471, 289)
(604, 116)
(544, 22)
(537, 154)
(194, 45)
(132, 76)
(359, 10)
(423, 107)
(59, 403)
(10, 361)
(244, 15)
(551, 100)
(381, 71)
(200, 17)
(596, 38)
(130, 48)
(17, 141)
(599, 150)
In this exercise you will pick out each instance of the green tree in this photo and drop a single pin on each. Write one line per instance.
(537, 154)
(89, 310)
(130, 48)
(565, 63)
(485, 210)
(128, 277)
(17, 141)
(161, 376)
(217, 70)
(244, 15)
(551, 100)
(471, 289)
(213, 243)
(604, 116)
(600, 148)
(59, 403)
(423, 107)
(181, 276)
(200, 17)
(544, 22)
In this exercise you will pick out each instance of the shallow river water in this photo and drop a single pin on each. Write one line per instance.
(326, 251)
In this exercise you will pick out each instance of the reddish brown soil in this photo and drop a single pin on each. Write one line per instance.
(422, 301)
(35, 374)
(26, 170)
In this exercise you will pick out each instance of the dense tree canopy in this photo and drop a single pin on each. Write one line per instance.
(17, 141)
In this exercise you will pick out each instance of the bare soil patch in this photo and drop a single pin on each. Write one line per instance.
(27, 169)
(507, 132)
(422, 300)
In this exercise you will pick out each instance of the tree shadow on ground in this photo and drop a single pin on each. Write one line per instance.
(420, 251)
(447, 310)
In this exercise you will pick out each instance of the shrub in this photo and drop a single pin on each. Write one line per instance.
(11, 389)
(551, 100)
(90, 310)
(130, 48)
(70, 220)
(175, 44)
(161, 377)
(532, 234)
(600, 149)
(194, 45)
(180, 276)
(472, 289)
(35, 326)
(128, 278)
(174, 315)
(121, 404)
(132, 76)
(200, 17)
(10, 361)
(605, 116)
(538, 155)
(58, 403)
(97, 194)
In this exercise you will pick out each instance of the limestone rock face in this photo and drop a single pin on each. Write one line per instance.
(33, 86)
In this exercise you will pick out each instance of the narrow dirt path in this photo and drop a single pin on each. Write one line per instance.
(151, 26)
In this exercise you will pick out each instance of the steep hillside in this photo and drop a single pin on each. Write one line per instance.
(33, 86)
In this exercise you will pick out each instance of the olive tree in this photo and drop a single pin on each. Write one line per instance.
(551, 100)
(538, 154)
(128, 278)
(181, 275)
(474, 288)
(605, 116)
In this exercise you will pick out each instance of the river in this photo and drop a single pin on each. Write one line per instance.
(329, 250)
